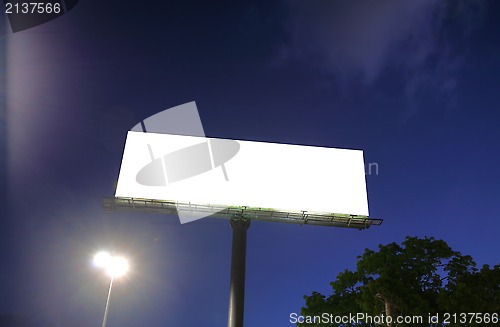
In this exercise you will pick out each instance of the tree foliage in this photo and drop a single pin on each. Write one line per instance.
(420, 277)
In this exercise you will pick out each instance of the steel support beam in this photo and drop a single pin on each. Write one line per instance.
(238, 260)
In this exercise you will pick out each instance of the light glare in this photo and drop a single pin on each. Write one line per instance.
(102, 259)
(118, 266)
(115, 266)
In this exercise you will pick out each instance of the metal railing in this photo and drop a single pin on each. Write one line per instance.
(261, 214)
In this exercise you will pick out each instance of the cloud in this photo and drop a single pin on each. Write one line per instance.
(363, 40)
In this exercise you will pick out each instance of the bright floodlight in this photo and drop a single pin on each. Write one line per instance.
(113, 265)
(102, 259)
(118, 266)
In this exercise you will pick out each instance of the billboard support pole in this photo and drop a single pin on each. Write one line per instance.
(238, 260)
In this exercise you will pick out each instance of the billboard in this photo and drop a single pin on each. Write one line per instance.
(200, 170)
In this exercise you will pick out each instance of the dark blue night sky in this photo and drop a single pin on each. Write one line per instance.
(415, 84)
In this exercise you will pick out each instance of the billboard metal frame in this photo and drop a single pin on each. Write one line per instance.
(259, 214)
(189, 159)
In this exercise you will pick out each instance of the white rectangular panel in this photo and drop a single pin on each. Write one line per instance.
(264, 175)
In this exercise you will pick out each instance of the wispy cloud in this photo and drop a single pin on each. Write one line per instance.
(360, 41)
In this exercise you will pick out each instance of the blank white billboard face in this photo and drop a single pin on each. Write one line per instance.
(243, 173)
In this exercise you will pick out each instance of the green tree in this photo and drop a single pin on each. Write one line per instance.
(420, 277)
